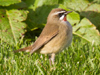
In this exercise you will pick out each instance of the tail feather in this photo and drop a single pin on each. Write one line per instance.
(27, 49)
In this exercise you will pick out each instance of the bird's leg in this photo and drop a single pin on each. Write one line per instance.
(52, 58)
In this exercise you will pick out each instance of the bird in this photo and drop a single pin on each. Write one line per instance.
(55, 36)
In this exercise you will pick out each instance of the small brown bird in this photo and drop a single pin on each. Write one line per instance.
(56, 35)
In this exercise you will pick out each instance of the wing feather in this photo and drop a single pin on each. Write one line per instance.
(48, 33)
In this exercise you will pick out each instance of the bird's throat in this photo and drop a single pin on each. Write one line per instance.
(65, 18)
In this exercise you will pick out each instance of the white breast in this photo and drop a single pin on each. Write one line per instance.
(70, 33)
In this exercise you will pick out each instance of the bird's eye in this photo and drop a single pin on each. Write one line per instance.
(60, 14)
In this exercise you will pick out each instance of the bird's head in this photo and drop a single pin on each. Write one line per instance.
(57, 15)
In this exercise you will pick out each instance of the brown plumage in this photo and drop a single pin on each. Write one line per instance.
(56, 35)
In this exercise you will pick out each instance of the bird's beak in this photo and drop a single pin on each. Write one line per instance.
(67, 12)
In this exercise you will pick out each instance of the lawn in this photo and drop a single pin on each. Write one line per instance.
(80, 58)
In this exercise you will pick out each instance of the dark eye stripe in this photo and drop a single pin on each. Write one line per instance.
(60, 14)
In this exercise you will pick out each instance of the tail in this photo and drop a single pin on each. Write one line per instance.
(27, 49)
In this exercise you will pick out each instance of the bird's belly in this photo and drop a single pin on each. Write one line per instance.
(57, 44)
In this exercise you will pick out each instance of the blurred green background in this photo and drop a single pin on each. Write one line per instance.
(25, 19)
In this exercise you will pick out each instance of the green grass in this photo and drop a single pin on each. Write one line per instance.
(81, 58)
